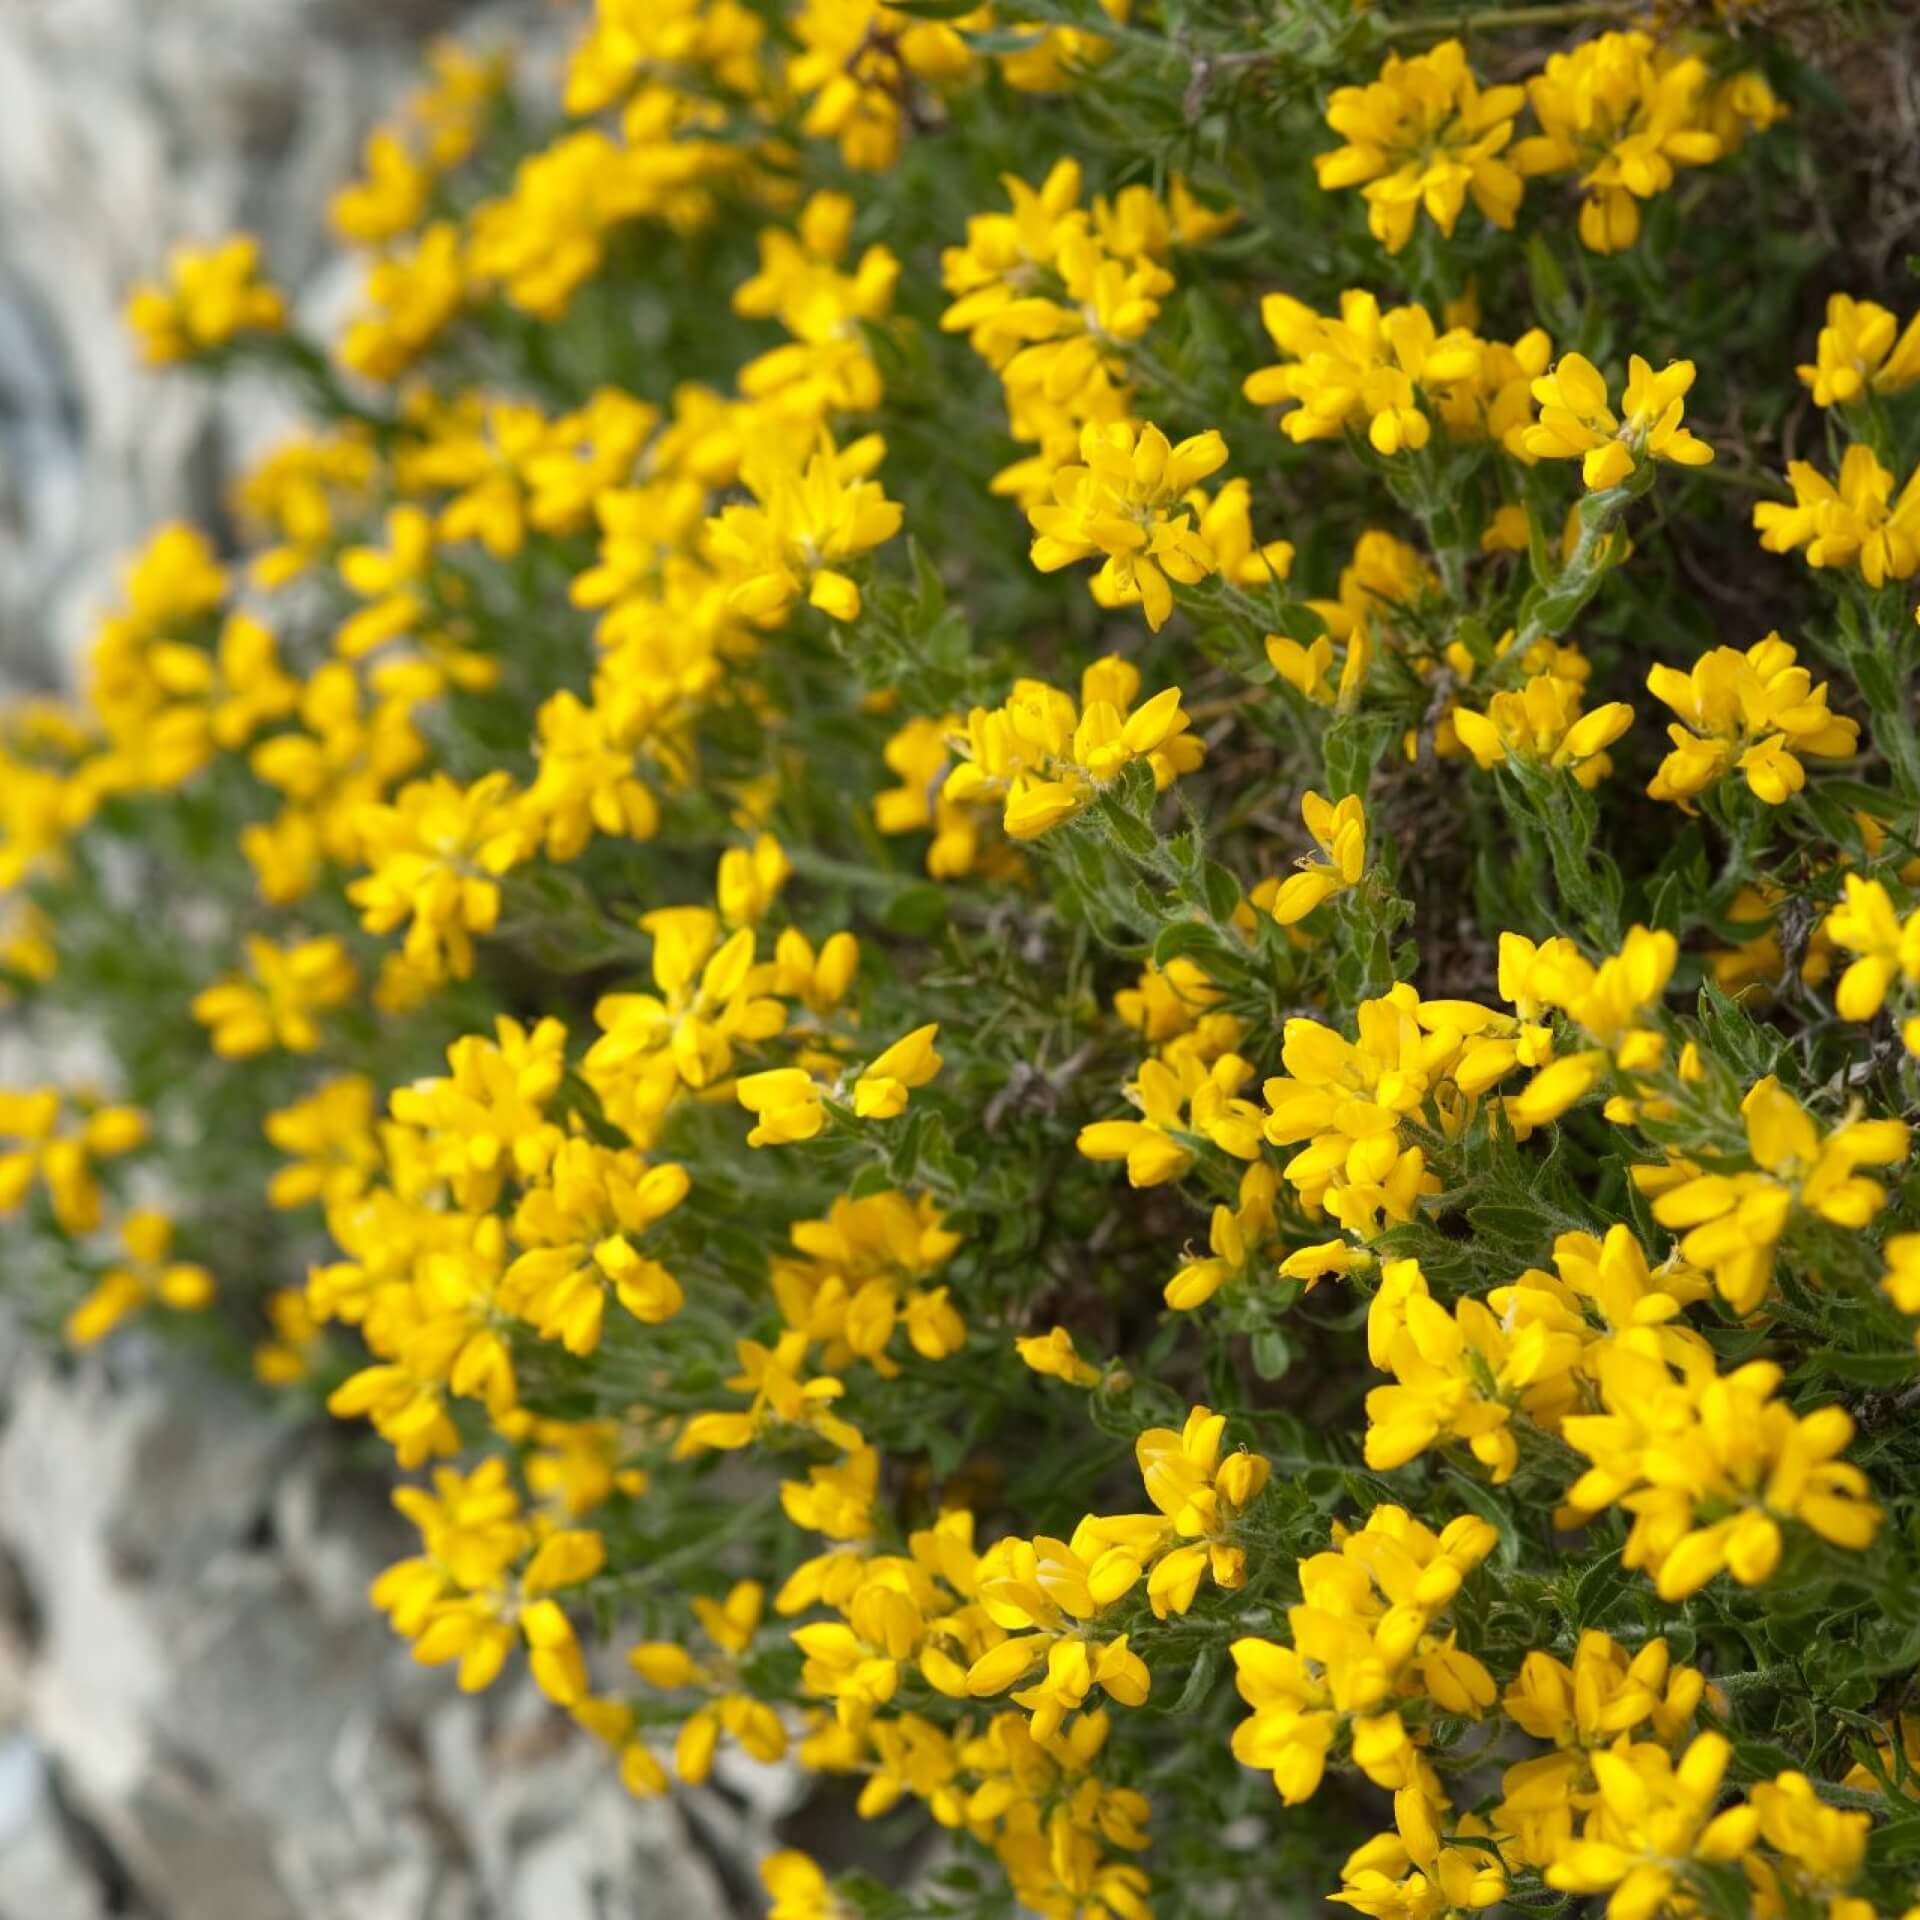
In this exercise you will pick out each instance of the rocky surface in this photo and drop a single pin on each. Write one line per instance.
(200, 1717)
(129, 124)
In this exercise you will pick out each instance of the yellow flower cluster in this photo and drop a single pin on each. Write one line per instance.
(1054, 297)
(1620, 113)
(211, 296)
(1393, 373)
(1757, 712)
(1855, 521)
(1708, 1465)
(753, 1279)
(1043, 757)
(1365, 1656)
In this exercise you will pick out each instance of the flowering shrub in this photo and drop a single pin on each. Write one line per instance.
(913, 894)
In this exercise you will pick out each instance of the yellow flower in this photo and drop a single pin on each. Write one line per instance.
(588, 780)
(818, 980)
(1064, 352)
(348, 752)
(1045, 759)
(211, 296)
(549, 233)
(856, 65)
(853, 1277)
(294, 492)
(881, 1091)
(1620, 115)
(293, 1351)
(1055, 57)
(1888, 953)
(1603, 1694)
(330, 1138)
(1341, 1103)
(487, 1118)
(993, 277)
(482, 1586)
(785, 1103)
(748, 880)
(577, 1226)
(920, 756)
(1053, 1353)
(275, 1008)
(1418, 1869)
(1365, 366)
(710, 995)
(1235, 1240)
(1816, 1849)
(40, 1139)
(797, 1888)
(148, 1275)
(1049, 1594)
(392, 578)
(730, 1624)
(1424, 135)
(800, 284)
(1576, 423)
(630, 39)
(1341, 831)
(782, 1398)
(1857, 523)
(1651, 1817)
(389, 201)
(1182, 1099)
(411, 296)
(1458, 1376)
(1364, 1647)
(1122, 503)
(1755, 711)
(1203, 1496)
(1731, 1222)
(1541, 723)
(1710, 1466)
(436, 856)
(1901, 1281)
(1861, 350)
(809, 513)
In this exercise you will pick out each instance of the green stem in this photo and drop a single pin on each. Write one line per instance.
(1490, 19)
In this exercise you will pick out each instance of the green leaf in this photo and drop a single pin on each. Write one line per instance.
(1222, 891)
(1272, 1353)
(1206, 1669)
(1897, 1840)
(1352, 749)
(871, 1179)
(1874, 678)
(1598, 1587)
(1520, 1231)
(1868, 1369)
(1182, 936)
(1552, 297)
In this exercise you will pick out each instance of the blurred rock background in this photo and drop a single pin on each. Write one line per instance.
(200, 1717)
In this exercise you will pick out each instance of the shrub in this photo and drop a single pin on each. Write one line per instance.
(1004, 889)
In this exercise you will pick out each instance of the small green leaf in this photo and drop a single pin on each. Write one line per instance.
(1206, 1669)
(1222, 891)
(1272, 1353)
(1869, 1369)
